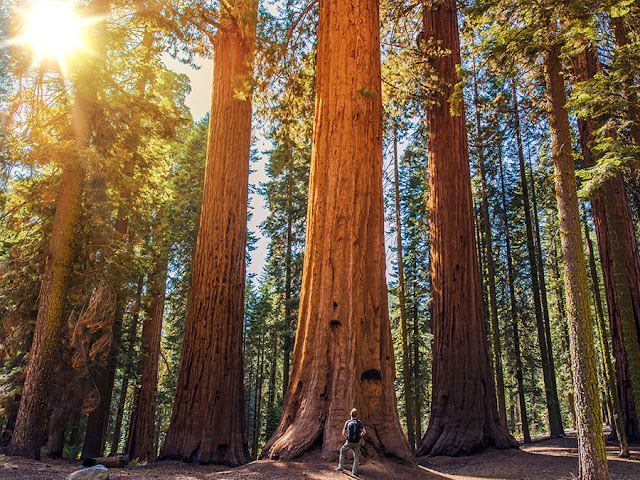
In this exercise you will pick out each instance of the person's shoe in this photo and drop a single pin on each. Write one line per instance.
(339, 469)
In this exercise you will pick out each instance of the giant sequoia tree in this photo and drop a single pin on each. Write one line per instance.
(464, 415)
(343, 354)
(208, 421)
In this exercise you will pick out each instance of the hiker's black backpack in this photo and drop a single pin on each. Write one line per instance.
(354, 431)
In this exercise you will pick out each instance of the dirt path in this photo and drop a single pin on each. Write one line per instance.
(544, 460)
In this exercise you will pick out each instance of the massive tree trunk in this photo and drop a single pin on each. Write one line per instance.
(343, 354)
(618, 254)
(28, 432)
(592, 453)
(406, 373)
(208, 420)
(140, 440)
(546, 355)
(464, 416)
(493, 302)
(29, 429)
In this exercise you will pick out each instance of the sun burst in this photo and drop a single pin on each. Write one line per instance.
(53, 31)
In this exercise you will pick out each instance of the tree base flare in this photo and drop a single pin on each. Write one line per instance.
(442, 438)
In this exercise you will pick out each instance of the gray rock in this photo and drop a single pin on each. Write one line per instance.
(99, 472)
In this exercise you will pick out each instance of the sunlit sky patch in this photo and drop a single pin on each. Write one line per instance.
(51, 30)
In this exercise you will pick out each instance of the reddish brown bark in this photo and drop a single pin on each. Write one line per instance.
(208, 420)
(140, 440)
(611, 203)
(343, 354)
(607, 368)
(464, 416)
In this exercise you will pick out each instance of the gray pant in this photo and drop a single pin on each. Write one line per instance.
(356, 455)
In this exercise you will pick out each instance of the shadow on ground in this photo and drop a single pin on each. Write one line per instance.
(550, 459)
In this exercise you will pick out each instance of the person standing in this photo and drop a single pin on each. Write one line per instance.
(353, 432)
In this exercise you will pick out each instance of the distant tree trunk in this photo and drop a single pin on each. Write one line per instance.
(416, 368)
(10, 424)
(131, 341)
(104, 374)
(28, 433)
(592, 453)
(514, 316)
(551, 394)
(543, 285)
(493, 302)
(618, 253)
(464, 415)
(257, 408)
(140, 439)
(208, 420)
(343, 354)
(55, 443)
(274, 369)
(287, 343)
(273, 377)
(607, 369)
(406, 374)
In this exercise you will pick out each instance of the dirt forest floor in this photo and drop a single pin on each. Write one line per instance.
(544, 459)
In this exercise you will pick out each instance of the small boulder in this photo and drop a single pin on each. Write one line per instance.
(99, 472)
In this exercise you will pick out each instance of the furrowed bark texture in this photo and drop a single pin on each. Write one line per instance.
(343, 354)
(208, 420)
(592, 453)
(29, 429)
(464, 416)
(618, 254)
(140, 440)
